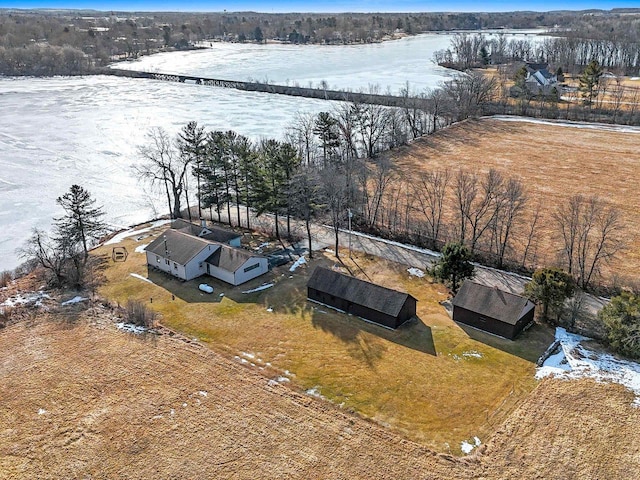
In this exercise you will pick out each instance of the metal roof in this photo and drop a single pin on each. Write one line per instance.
(354, 290)
(491, 302)
(178, 246)
(229, 258)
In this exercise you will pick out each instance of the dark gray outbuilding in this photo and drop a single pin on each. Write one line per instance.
(492, 310)
(377, 304)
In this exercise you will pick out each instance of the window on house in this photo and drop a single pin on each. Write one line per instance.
(166, 261)
(158, 258)
(251, 267)
(200, 265)
(175, 265)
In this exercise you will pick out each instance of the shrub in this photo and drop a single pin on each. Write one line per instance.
(5, 278)
(5, 315)
(621, 318)
(139, 314)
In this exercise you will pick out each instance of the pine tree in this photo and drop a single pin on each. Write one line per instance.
(589, 81)
(82, 221)
(550, 287)
(454, 265)
(192, 145)
(326, 128)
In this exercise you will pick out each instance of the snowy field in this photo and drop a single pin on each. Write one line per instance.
(577, 359)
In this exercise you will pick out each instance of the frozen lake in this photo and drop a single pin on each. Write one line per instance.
(58, 131)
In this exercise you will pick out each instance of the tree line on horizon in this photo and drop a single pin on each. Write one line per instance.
(28, 38)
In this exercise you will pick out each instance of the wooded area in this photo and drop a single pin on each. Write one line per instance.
(94, 39)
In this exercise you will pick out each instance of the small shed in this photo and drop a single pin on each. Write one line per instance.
(377, 304)
(492, 310)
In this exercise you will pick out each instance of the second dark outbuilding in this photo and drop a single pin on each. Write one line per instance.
(492, 310)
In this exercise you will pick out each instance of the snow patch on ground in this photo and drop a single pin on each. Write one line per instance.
(141, 248)
(467, 447)
(76, 299)
(577, 360)
(29, 298)
(42, 411)
(283, 380)
(472, 354)
(258, 289)
(130, 327)
(132, 231)
(300, 261)
(262, 245)
(135, 275)
(203, 393)
(415, 272)
(314, 392)
(270, 309)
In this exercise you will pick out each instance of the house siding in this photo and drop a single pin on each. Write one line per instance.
(221, 274)
(492, 325)
(241, 276)
(482, 322)
(172, 268)
(197, 266)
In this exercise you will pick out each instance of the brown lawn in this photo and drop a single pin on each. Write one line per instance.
(81, 399)
(430, 380)
(554, 162)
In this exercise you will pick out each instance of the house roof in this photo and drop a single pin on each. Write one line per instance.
(178, 246)
(532, 67)
(375, 297)
(229, 258)
(215, 234)
(490, 302)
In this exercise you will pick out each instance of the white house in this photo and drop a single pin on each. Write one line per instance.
(188, 256)
(540, 81)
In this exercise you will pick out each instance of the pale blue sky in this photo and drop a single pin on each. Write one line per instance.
(322, 5)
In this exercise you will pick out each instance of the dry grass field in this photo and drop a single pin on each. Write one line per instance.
(430, 380)
(554, 162)
(81, 399)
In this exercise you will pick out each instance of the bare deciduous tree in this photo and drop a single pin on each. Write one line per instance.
(430, 190)
(590, 233)
(510, 204)
(163, 167)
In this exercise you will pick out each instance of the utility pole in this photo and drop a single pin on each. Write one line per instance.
(350, 215)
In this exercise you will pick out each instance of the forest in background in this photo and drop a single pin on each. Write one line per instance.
(39, 42)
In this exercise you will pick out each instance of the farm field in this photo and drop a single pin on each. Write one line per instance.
(554, 162)
(82, 399)
(431, 381)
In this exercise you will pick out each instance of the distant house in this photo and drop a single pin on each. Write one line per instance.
(377, 304)
(208, 232)
(492, 310)
(188, 256)
(540, 81)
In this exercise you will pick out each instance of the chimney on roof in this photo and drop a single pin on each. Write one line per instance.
(203, 223)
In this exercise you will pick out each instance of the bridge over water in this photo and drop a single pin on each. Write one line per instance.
(317, 93)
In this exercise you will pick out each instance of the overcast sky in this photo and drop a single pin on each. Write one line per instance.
(322, 5)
